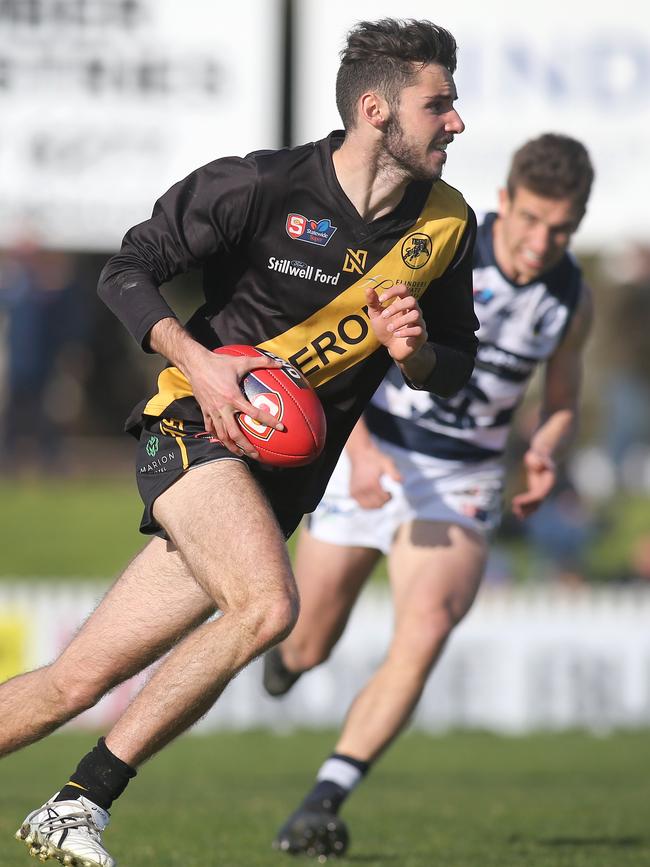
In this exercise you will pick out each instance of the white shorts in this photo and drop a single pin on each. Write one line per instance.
(431, 490)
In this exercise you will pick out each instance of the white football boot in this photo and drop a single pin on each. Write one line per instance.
(70, 831)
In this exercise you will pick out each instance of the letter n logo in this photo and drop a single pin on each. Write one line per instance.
(355, 261)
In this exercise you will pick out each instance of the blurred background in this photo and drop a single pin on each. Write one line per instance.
(103, 105)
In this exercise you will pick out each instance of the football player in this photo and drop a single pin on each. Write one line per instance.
(343, 256)
(421, 479)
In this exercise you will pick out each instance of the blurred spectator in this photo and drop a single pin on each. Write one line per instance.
(639, 566)
(45, 357)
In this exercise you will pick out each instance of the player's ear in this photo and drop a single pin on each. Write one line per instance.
(504, 202)
(374, 110)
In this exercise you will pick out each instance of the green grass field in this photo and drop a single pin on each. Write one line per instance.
(463, 800)
(76, 528)
(68, 528)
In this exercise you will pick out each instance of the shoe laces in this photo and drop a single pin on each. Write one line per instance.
(81, 819)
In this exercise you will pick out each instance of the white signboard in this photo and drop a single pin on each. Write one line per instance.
(580, 68)
(525, 659)
(104, 104)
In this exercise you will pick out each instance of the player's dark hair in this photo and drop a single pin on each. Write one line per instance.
(553, 166)
(386, 56)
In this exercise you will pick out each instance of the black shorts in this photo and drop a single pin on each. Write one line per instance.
(170, 447)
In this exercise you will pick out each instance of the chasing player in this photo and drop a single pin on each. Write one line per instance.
(364, 210)
(421, 479)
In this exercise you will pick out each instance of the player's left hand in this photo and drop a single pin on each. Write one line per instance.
(396, 319)
(540, 479)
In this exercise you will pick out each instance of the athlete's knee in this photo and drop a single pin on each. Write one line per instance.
(423, 640)
(307, 650)
(438, 626)
(280, 617)
(444, 620)
(70, 692)
(270, 618)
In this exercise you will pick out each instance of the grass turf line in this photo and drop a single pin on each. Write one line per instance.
(461, 800)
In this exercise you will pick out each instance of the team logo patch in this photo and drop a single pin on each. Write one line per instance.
(312, 231)
(172, 427)
(355, 261)
(416, 250)
(270, 401)
(162, 455)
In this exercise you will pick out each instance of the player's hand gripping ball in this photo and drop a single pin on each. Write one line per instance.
(284, 393)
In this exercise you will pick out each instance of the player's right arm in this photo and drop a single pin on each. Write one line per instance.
(205, 215)
(367, 466)
(215, 383)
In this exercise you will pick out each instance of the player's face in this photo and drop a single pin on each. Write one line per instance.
(425, 123)
(532, 233)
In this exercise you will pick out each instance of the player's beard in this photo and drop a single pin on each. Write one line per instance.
(405, 155)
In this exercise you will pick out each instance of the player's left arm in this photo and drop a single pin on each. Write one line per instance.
(560, 411)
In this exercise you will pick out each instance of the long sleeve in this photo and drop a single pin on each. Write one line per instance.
(200, 218)
(448, 308)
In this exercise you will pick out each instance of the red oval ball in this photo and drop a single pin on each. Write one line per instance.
(288, 396)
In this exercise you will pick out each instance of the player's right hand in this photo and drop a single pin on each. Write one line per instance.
(366, 471)
(215, 381)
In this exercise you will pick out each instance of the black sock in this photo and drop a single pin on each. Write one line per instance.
(336, 779)
(100, 776)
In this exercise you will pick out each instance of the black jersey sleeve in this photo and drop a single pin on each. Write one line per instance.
(448, 309)
(205, 215)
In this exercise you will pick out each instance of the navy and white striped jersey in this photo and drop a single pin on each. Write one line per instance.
(520, 326)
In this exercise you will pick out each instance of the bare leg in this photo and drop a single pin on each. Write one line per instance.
(157, 601)
(435, 571)
(153, 604)
(329, 578)
(228, 536)
(228, 552)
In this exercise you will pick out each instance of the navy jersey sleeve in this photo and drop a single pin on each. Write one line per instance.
(448, 309)
(205, 215)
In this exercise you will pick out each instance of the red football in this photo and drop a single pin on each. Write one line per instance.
(285, 393)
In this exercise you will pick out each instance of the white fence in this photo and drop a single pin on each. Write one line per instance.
(524, 659)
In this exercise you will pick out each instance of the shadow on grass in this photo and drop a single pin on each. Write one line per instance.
(614, 842)
(379, 858)
(623, 842)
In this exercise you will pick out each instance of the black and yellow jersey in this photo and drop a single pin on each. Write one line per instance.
(286, 258)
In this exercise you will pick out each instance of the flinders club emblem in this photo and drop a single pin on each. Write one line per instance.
(416, 250)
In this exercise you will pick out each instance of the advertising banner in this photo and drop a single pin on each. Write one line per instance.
(569, 68)
(104, 104)
(525, 659)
